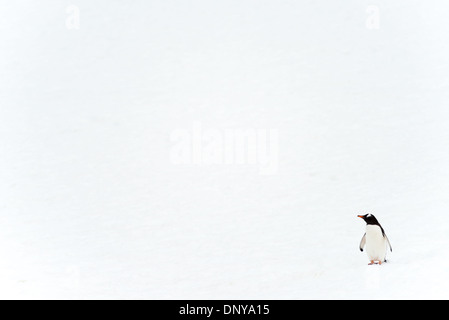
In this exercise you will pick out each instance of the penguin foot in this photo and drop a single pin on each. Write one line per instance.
(371, 263)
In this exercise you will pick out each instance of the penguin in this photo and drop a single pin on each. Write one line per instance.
(375, 240)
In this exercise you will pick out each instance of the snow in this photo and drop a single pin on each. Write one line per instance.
(92, 206)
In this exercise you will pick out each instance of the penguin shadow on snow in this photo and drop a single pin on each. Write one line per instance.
(374, 241)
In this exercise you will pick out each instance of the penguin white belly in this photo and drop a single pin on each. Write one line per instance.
(376, 244)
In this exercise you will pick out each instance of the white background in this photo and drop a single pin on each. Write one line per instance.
(92, 207)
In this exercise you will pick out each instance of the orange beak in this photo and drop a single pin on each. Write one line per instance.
(360, 216)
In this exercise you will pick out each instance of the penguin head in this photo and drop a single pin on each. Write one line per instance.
(369, 218)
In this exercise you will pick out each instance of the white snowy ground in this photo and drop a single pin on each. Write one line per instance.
(92, 206)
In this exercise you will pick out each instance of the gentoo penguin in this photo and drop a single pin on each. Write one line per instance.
(375, 240)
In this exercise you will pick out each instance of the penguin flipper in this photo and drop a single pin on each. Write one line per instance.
(362, 242)
(389, 244)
